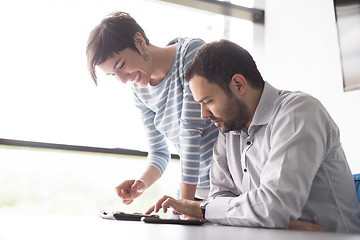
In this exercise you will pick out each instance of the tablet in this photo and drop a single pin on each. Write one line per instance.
(124, 216)
(149, 219)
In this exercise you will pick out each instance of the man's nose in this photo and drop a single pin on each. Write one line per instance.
(205, 112)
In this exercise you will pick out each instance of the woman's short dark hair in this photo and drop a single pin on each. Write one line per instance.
(219, 61)
(115, 33)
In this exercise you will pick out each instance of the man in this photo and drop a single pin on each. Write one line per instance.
(278, 157)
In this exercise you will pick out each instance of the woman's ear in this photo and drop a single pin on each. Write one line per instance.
(239, 84)
(139, 41)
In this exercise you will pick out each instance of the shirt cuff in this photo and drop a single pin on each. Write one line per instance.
(217, 208)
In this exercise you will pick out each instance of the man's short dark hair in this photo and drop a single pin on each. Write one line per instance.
(219, 61)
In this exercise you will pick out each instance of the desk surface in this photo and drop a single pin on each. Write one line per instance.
(14, 227)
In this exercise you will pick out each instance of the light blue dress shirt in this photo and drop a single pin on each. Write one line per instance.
(289, 165)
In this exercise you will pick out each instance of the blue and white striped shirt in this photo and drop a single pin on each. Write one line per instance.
(169, 111)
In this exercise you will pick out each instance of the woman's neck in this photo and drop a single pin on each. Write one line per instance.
(162, 60)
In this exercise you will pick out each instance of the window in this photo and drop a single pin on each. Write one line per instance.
(46, 92)
(47, 95)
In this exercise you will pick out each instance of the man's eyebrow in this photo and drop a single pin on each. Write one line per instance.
(116, 63)
(201, 100)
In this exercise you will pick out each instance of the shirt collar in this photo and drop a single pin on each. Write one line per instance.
(265, 106)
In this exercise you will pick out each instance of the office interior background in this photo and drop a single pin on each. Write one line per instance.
(48, 96)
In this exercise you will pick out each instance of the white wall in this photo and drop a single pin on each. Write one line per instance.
(302, 53)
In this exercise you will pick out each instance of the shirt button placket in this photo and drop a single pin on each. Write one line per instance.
(246, 177)
(245, 169)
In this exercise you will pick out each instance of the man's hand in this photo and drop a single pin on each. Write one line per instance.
(130, 189)
(304, 226)
(179, 206)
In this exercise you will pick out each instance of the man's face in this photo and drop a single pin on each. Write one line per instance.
(225, 110)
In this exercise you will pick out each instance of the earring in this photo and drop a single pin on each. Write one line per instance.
(146, 56)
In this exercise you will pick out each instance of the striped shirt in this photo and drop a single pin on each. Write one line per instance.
(289, 165)
(170, 112)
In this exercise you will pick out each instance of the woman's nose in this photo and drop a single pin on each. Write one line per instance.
(122, 77)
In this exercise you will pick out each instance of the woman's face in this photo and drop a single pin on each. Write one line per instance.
(128, 66)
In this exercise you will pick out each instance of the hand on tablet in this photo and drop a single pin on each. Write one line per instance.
(179, 206)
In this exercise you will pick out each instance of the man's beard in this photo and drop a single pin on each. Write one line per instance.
(235, 115)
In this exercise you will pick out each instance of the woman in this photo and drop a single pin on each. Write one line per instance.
(119, 47)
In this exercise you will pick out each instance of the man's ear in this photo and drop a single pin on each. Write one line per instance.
(238, 84)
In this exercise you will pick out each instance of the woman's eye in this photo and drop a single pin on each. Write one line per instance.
(122, 65)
